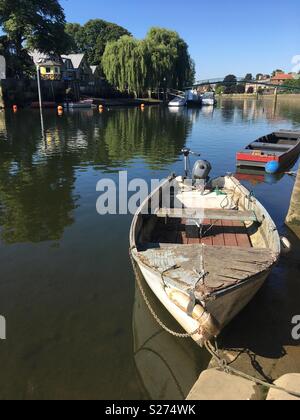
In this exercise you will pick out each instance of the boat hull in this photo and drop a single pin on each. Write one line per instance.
(260, 158)
(223, 304)
(223, 308)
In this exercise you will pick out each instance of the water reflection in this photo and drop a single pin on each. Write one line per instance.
(69, 302)
(38, 173)
(167, 366)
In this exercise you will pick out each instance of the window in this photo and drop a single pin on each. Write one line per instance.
(56, 70)
(48, 70)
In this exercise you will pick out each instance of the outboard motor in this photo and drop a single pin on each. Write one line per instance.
(201, 170)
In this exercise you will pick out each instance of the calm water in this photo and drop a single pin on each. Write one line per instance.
(76, 327)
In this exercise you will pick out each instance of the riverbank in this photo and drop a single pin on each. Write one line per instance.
(295, 96)
(126, 102)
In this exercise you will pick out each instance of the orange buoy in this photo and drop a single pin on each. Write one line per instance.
(143, 106)
(60, 110)
(15, 108)
(101, 108)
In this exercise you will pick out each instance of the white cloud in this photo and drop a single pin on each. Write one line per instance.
(296, 62)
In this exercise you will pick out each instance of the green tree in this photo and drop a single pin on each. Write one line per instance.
(161, 60)
(249, 77)
(230, 84)
(170, 59)
(93, 37)
(219, 90)
(277, 71)
(124, 64)
(33, 24)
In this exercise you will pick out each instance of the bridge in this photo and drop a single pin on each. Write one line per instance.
(239, 80)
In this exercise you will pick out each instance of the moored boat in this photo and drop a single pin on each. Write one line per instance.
(272, 152)
(86, 103)
(178, 102)
(208, 253)
(208, 99)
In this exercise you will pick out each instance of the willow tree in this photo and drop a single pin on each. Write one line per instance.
(161, 60)
(172, 65)
(124, 64)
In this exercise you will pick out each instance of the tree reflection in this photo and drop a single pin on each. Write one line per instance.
(38, 173)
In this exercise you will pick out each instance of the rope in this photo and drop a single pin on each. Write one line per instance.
(157, 319)
(222, 363)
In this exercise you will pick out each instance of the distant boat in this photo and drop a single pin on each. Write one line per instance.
(209, 99)
(86, 103)
(193, 98)
(178, 102)
(278, 150)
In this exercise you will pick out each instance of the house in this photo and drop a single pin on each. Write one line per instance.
(80, 70)
(50, 65)
(252, 87)
(280, 78)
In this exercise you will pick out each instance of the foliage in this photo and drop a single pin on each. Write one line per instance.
(160, 60)
(293, 84)
(93, 37)
(249, 77)
(277, 71)
(219, 90)
(240, 88)
(230, 84)
(32, 24)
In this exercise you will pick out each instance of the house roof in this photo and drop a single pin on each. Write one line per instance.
(283, 76)
(75, 58)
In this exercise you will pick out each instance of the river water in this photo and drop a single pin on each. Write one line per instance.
(76, 326)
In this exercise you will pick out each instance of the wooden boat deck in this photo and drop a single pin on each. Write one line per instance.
(215, 233)
(206, 269)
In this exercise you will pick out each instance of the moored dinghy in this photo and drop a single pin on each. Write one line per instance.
(208, 253)
(272, 152)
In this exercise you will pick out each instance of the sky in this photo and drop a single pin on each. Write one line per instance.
(224, 36)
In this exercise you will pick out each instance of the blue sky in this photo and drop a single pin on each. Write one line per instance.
(225, 36)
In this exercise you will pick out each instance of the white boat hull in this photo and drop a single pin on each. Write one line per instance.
(222, 304)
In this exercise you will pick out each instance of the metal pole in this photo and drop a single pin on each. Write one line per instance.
(40, 98)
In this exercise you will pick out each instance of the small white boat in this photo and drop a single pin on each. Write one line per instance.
(207, 253)
(178, 102)
(208, 99)
(86, 103)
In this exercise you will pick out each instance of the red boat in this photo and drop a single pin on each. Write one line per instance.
(282, 147)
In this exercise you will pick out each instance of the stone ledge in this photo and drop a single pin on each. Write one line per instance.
(291, 382)
(214, 385)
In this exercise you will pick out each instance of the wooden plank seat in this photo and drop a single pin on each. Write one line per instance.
(182, 267)
(270, 146)
(214, 214)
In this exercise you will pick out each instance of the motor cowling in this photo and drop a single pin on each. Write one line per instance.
(201, 170)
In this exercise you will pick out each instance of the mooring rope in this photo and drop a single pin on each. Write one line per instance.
(157, 319)
(223, 364)
(213, 351)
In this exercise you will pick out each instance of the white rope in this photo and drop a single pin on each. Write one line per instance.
(222, 363)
